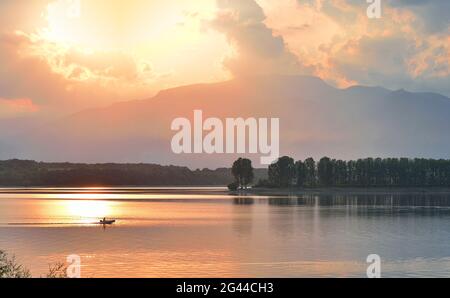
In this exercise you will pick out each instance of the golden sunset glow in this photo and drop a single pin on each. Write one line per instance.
(132, 43)
(77, 54)
(224, 138)
(85, 210)
(63, 58)
(115, 24)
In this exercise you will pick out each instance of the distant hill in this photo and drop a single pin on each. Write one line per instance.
(316, 120)
(31, 173)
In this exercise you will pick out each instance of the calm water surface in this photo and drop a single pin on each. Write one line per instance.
(199, 232)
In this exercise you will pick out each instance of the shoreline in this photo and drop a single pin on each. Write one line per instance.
(343, 191)
(222, 190)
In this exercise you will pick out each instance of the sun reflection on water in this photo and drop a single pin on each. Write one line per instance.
(86, 209)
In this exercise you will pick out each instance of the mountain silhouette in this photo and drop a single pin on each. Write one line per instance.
(316, 120)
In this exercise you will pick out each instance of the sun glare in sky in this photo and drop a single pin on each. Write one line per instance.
(69, 55)
(124, 25)
(162, 39)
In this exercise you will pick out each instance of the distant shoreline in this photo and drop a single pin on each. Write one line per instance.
(222, 190)
(344, 190)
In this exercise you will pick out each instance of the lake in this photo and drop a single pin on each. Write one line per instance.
(204, 232)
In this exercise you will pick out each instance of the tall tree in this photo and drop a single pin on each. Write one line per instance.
(340, 174)
(282, 172)
(368, 172)
(243, 172)
(301, 173)
(310, 166)
(325, 171)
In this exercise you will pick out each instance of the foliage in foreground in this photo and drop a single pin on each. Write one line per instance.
(9, 268)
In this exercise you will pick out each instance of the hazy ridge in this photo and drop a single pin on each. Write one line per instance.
(316, 120)
(31, 173)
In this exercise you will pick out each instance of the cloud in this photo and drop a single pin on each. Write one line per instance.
(105, 64)
(257, 49)
(408, 48)
(21, 14)
(62, 79)
(22, 75)
(27, 75)
(113, 51)
(370, 59)
(336, 41)
(17, 107)
(434, 15)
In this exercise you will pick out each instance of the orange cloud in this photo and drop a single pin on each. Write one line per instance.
(17, 107)
(27, 74)
(258, 49)
(114, 51)
(339, 43)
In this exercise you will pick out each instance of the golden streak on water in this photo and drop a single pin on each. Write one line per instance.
(203, 234)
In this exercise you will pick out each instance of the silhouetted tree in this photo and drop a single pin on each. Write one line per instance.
(368, 172)
(340, 172)
(282, 172)
(310, 166)
(325, 171)
(233, 186)
(301, 173)
(242, 171)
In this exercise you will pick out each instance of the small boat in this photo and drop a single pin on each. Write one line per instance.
(107, 222)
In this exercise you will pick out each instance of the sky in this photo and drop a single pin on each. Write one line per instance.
(61, 56)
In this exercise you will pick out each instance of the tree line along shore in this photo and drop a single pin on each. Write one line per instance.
(28, 173)
(285, 173)
(327, 172)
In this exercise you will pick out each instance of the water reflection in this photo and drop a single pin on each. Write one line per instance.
(243, 201)
(214, 235)
(368, 200)
(85, 210)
